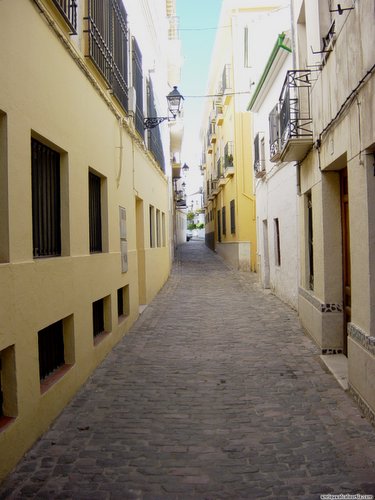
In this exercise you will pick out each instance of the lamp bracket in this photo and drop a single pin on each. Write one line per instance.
(153, 121)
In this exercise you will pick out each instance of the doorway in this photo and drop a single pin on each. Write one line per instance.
(346, 270)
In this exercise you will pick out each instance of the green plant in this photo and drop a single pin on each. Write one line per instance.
(200, 225)
(191, 226)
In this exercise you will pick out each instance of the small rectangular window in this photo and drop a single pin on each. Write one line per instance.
(101, 318)
(232, 217)
(123, 240)
(123, 302)
(8, 386)
(158, 229)
(152, 226)
(246, 52)
(46, 209)
(277, 243)
(163, 230)
(51, 349)
(224, 220)
(95, 213)
(98, 317)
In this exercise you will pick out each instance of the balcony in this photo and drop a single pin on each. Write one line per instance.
(228, 160)
(226, 84)
(259, 156)
(290, 120)
(219, 111)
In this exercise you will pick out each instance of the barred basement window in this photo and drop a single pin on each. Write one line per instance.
(98, 317)
(95, 213)
(152, 226)
(8, 386)
(123, 302)
(51, 349)
(46, 211)
(232, 218)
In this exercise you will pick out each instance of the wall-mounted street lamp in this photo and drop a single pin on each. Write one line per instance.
(185, 168)
(174, 99)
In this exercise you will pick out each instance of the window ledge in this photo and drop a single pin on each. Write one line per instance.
(100, 337)
(5, 422)
(48, 382)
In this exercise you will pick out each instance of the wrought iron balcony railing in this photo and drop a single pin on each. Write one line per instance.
(290, 121)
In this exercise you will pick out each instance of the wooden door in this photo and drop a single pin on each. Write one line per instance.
(345, 256)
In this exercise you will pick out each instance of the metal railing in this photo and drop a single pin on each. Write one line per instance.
(68, 9)
(294, 112)
(228, 155)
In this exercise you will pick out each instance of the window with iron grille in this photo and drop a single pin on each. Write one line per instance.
(224, 220)
(138, 85)
(123, 302)
(95, 213)
(98, 317)
(51, 349)
(152, 226)
(232, 217)
(68, 10)
(154, 138)
(108, 44)
(46, 211)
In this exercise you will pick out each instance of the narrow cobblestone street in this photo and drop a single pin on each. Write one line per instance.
(215, 393)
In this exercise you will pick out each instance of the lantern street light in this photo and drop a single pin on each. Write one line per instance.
(185, 168)
(174, 99)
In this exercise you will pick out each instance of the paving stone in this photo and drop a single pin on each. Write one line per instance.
(215, 393)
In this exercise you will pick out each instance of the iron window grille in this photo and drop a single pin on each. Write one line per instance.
(68, 10)
(219, 167)
(294, 112)
(95, 213)
(259, 155)
(138, 85)
(108, 44)
(228, 155)
(46, 210)
(98, 317)
(120, 302)
(232, 217)
(51, 349)
(154, 137)
(274, 128)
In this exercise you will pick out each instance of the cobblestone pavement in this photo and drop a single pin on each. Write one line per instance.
(215, 393)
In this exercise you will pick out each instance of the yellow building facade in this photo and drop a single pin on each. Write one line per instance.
(229, 197)
(85, 196)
